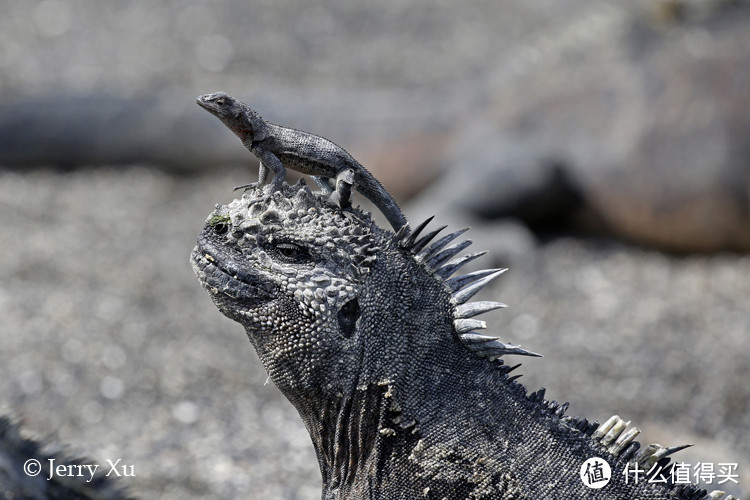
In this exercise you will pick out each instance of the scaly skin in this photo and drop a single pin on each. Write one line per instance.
(277, 147)
(369, 338)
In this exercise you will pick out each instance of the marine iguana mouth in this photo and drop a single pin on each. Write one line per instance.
(225, 281)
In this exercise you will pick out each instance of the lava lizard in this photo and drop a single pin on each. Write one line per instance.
(276, 147)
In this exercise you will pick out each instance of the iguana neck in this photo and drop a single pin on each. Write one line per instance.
(376, 434)
(353, 438)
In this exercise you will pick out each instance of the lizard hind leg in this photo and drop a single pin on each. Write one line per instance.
(342, 195)
(270, 164)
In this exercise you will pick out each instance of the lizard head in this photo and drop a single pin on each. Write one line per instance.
(236, 115)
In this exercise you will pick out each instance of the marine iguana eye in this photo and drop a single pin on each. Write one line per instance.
(220, 101)
(291, 252)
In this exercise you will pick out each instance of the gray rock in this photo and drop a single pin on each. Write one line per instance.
(646, 116)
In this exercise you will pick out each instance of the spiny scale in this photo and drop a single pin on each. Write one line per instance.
(467, 325)
(462, 287)
(407, 238)
(441, 243)
(401, 235)
(447, 254)
(620, 441)
(451, 267)
(468, 291)
(459, 282)
(492, 347)
(471, 309)
(422, 242)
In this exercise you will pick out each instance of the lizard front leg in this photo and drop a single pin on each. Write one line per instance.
(269, 161)
(262, 179)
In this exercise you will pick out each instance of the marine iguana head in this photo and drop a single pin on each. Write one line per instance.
(236, 115)
(291, 274)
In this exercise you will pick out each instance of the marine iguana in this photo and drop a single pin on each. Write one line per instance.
(26, 473)
(277, 147)
(372, 339)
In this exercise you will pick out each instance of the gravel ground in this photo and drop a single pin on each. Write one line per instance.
(108, 342)
(142, 46)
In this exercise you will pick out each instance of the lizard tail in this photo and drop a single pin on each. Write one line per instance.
(374, 191)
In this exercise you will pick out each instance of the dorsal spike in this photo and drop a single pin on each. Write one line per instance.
(674, 449)
(606, 426)
(562, 409)
(590, 427)
(491, 347)
(450, 252)
(409, 239)
(441, 243)
(514, 367)
(401, 234)
(468, 291)
(538, 395)
(454, 265)
(502, 367)
(631, 450)
(624, 440)
(467, 325)
(717, 495)
(471, 309)
(648, 456)
(459, 282)
(655, 452)
(423, 241)
(515, 377)
(476, 338)
(615, 432)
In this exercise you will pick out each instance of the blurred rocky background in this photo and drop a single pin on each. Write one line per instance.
(599, 149)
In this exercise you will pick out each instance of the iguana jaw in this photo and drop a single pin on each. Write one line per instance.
(227, 284)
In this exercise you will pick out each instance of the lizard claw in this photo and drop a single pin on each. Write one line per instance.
(246, 187)
(275, 186)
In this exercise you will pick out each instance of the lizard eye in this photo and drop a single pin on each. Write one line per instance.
(221, 101)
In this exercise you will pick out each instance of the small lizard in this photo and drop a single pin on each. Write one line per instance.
(276, 147)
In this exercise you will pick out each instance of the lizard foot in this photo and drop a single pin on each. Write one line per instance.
(269, 189)
(342, 195)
